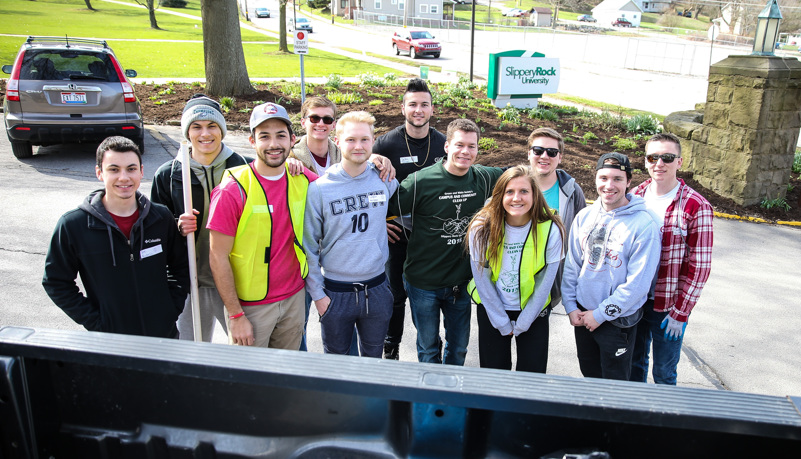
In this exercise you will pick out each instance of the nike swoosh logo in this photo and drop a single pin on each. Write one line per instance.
(620, 352)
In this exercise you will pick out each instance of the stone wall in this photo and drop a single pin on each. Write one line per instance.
(741, 143)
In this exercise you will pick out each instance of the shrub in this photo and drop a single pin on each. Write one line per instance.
(371, 79)
(510, 114)
(779, 203)
(589, 136)
(375, 102)
(542, 114)
(487, 144)
(344, 98)
(227, 103)
(643, 124)
(797, 162)
(623, 143)
(334, 81)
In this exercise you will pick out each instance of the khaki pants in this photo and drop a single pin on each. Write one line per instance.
(276, 325)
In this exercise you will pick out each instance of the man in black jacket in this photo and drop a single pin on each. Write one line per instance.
(204, 127)
(132, 262)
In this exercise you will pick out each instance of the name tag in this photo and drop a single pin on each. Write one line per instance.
(377, 198)
(150, 251)
(408, 159)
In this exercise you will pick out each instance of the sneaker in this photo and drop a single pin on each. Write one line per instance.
(391, 352)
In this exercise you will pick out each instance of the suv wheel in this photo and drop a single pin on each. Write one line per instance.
(22, 150)
(397, 51)
(141, 144)
(412, 52)
(436, 56)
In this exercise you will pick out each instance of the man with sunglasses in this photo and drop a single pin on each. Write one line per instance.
(411, 147)
(685, 219)
(561, 191)
(318, 152)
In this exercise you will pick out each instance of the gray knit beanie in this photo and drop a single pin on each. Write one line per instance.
(202, 108)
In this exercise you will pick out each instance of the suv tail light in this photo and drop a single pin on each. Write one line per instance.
(12, 89)
(127, 90)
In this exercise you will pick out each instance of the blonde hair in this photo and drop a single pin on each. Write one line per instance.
(490, 220)
(355, 117)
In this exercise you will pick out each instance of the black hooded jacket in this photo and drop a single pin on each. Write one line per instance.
(135, 287)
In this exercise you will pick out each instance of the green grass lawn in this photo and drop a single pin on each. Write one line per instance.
(120, 25)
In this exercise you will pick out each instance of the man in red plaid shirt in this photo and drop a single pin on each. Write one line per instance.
(685, 218)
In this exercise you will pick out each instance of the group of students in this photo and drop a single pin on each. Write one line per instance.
(356, 225)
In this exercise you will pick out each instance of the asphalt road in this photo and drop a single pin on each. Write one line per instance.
(743, 335)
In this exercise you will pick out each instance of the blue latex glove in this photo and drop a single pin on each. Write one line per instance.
(673, 328)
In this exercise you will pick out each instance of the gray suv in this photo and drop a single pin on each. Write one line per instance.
(64, 90)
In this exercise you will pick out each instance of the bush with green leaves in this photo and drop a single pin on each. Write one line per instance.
(604, 121)
(775, 203)
(643, 124)
(621, 143)
(797, 162)
(344, 98)
(589, 135)
(227, 103)
(487, 144)
(539, 113)
(510, 114)
(371, 79)
(334, 81)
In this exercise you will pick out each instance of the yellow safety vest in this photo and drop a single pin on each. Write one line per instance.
(250, 255)
(532, 260)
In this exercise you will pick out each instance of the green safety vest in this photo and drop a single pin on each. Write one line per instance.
(250, 255)
(532, 261)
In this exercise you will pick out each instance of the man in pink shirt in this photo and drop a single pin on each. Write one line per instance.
(256, 231)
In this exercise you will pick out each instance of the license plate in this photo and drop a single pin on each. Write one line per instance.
(73, 97)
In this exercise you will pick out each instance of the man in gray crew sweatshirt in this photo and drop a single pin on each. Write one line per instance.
(345, 240)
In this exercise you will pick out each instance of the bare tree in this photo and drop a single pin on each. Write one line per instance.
(282, 46)
(151, 9)
(226, 72)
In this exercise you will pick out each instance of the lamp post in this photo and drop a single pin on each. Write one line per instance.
(767, 29)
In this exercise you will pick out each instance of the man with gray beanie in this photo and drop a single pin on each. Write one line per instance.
(203, 125)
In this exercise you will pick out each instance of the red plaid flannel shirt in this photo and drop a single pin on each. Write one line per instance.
(686, 252)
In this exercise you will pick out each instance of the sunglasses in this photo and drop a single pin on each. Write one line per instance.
(537, 151)
(666, 158)
(317, 118)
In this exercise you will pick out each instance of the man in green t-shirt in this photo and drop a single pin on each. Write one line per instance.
(441, 199)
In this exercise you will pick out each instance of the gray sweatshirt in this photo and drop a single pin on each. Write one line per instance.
(611, 260)
(344, 231)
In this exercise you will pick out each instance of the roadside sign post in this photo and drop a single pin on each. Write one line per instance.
(301, 48)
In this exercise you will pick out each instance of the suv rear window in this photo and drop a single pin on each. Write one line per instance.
(67, 65)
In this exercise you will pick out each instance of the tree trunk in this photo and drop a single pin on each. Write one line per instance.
(88, 5)
(226, 72)
(282, 45)
(151, 9)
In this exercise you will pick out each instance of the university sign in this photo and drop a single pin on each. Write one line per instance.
(520, 78)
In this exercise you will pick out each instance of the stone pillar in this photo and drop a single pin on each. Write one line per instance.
(744, 147)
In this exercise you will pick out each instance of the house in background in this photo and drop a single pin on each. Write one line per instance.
(540, 17)
(657, 6)
(730, 20)
(424, 9)
(609, 10)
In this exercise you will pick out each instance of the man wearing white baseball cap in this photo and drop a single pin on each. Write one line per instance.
(256, 228)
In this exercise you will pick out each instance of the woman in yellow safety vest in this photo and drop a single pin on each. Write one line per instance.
(515, 245)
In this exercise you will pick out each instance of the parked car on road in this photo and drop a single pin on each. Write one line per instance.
(621, 22)
(415, 43)
(65, 90)
(513, 12)
(262, 12)
(300, 24)
(586, 18)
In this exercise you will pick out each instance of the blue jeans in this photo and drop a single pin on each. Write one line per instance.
(369, 309)
(666, 352)
(426, 306)
(354, 343)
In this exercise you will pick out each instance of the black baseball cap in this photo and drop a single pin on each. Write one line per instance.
(623, 163)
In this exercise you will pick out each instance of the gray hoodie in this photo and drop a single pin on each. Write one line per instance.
(344, 230)
(612, 257)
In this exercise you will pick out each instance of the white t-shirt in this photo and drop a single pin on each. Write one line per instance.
(508, 283)
(659, 204)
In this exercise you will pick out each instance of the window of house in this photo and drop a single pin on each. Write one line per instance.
(378, 5)
(343, 4)
(423, 9)
(645, 5)
(394, 2)
(434, 8)
(401, 5)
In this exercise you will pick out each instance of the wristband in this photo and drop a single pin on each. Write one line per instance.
(236, 316)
